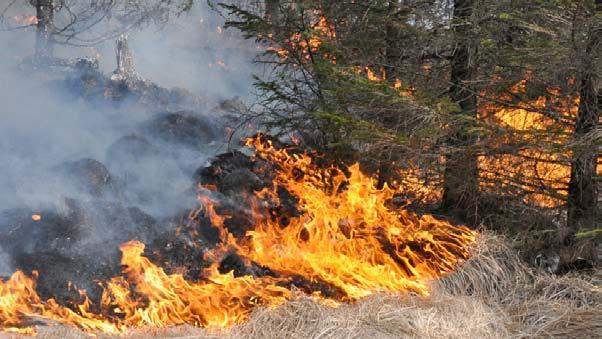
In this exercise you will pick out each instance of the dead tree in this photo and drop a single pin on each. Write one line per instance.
(81, 23)
(125, 59)
(461, 173)
(124, 78)
(44, 27)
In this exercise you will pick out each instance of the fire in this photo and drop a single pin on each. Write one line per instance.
(146, 296)
(374, 77)
(219, 64)
(309, 46)
(347, 237)
(381, 76)
(36, 217)
(321, 31)
(25, 19)
(531, 168)
(413, 185)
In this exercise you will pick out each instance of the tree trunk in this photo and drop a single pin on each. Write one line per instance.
(460, 187)
(391, 53)
(391, 58)
(583, 197)
(45, 16)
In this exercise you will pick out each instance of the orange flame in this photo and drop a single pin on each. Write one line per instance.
(532, 168)
(26, 19)
(320, 31)
(416, 188)
(346, 238)
(408, 91)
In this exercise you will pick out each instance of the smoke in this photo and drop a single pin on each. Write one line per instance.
(57, 147)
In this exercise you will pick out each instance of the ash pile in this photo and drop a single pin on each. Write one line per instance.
(65, 216)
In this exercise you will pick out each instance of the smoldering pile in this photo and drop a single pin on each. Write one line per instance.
(62, 244)
(73, 242)
(140, 191)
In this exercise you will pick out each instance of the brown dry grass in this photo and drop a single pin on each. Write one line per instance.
(491, 296)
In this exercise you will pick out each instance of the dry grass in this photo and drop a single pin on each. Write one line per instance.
(491, 296)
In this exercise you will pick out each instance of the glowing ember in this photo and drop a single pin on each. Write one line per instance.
(219, 64)
(346, 237)
(25, 19)
(373, 77)
(36, 217)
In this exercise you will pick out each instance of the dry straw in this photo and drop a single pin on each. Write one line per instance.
(492, 295)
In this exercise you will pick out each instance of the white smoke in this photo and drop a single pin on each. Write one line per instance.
(43, 126)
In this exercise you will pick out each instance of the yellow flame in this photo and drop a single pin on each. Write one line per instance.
(347, 238)
(532, 169)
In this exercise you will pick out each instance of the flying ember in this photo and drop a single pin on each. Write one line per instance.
(347, 240)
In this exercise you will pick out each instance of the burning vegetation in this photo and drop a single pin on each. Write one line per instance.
(342, 240)
(539, 167)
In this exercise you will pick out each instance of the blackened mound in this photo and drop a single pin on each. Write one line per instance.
(130, 148)
(72, 244)
(89, 175)
(183, 127)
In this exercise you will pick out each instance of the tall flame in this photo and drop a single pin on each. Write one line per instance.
(347, 238)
